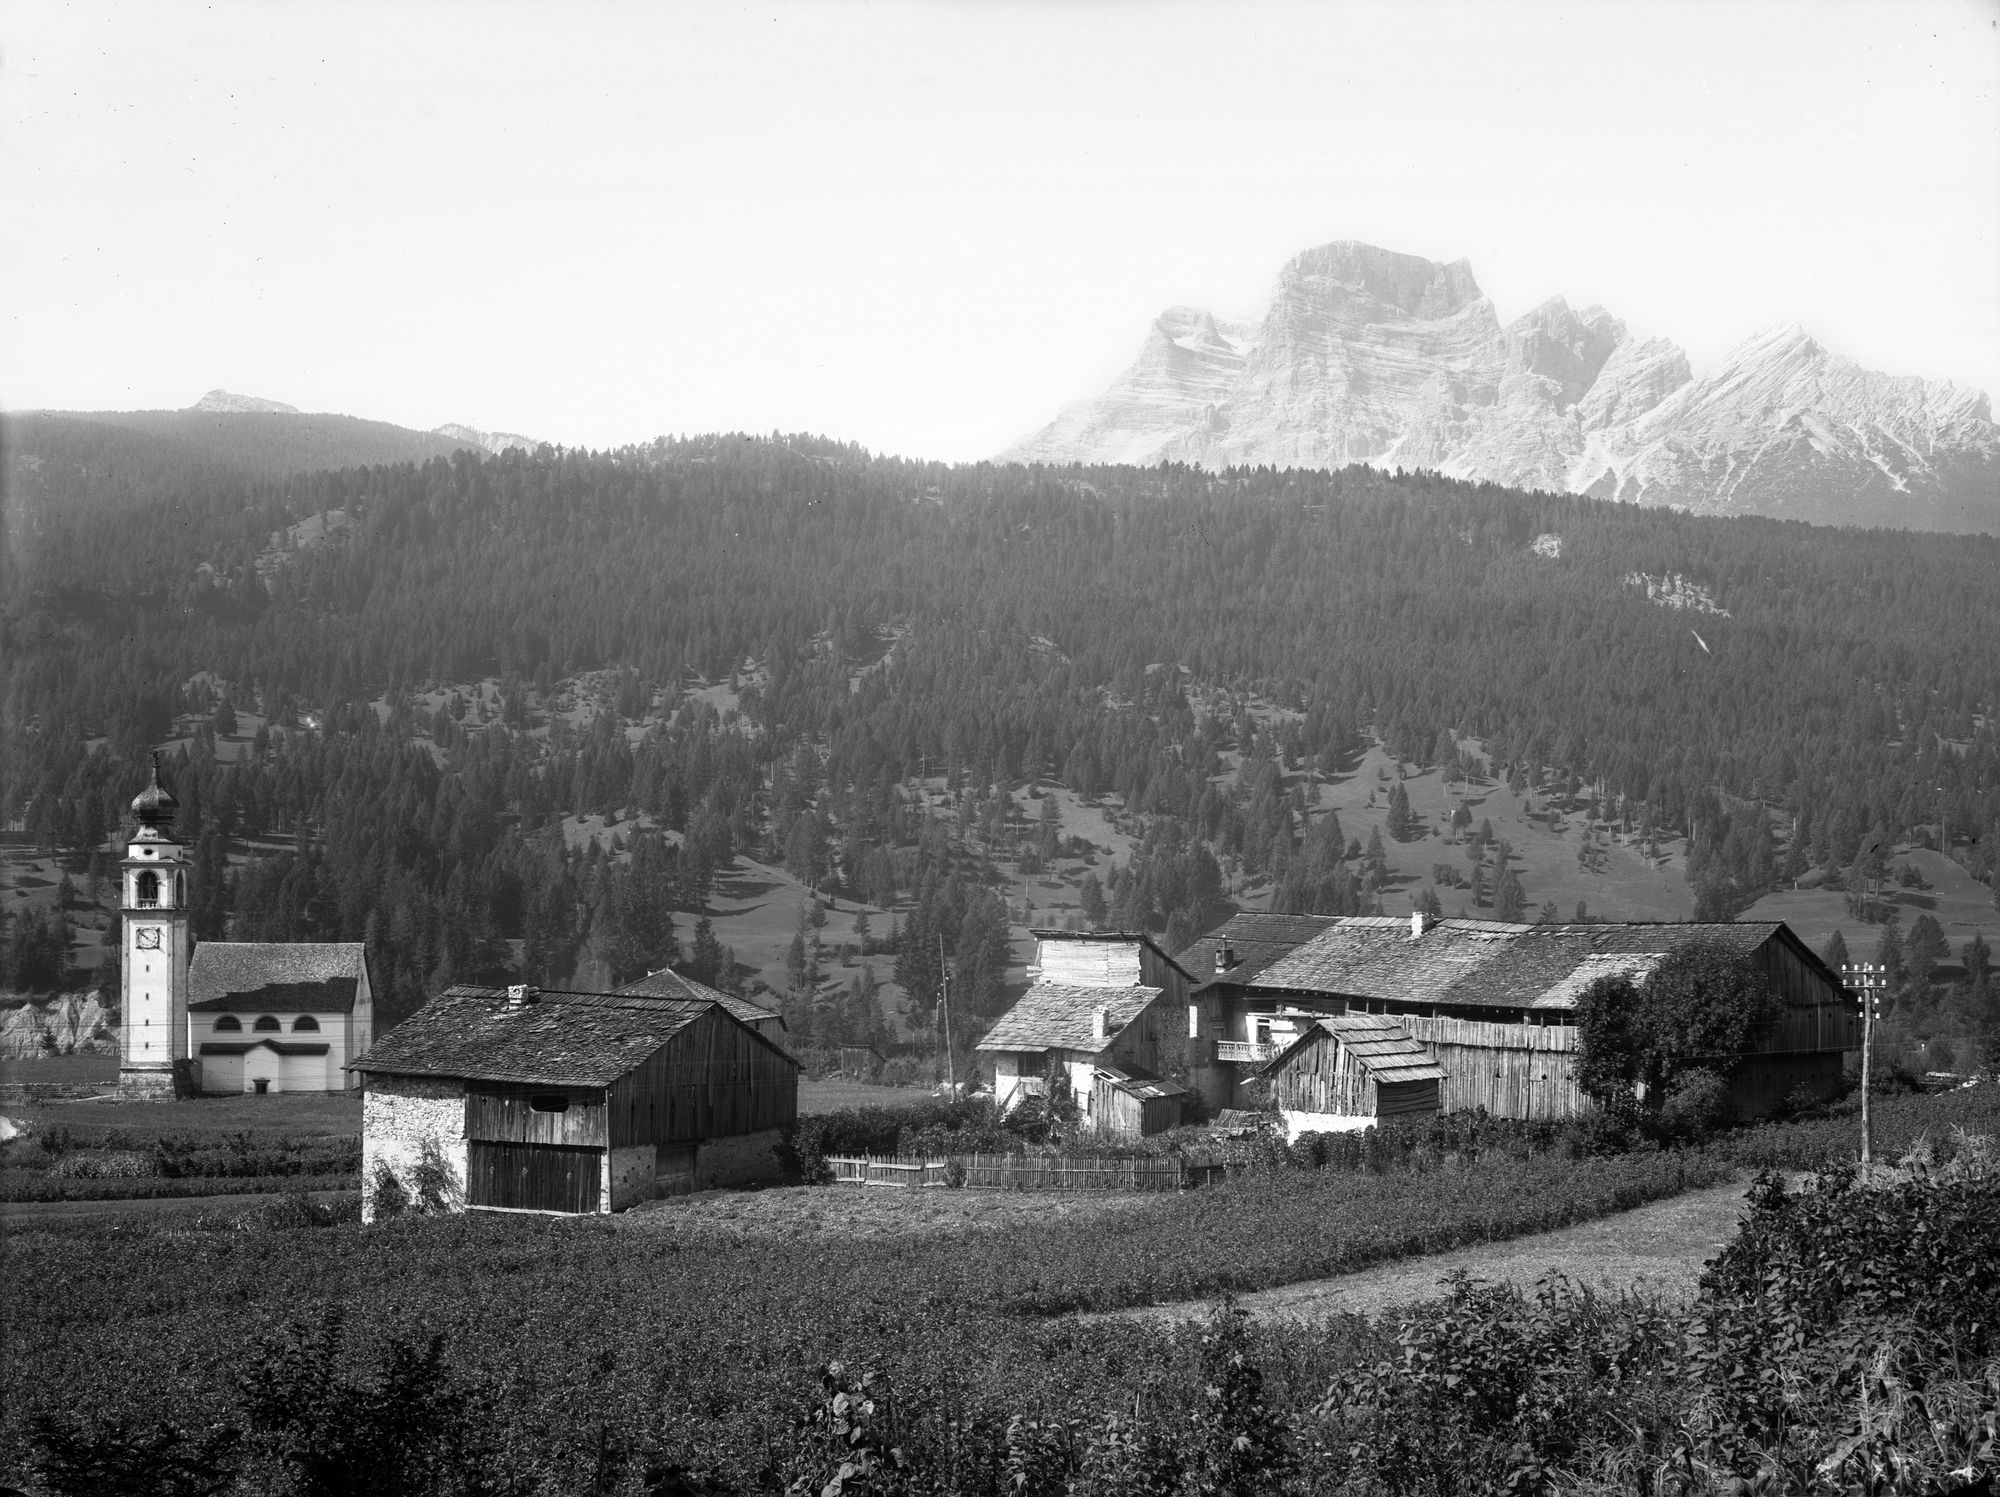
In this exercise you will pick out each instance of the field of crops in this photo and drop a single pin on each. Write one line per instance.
(586, 1353)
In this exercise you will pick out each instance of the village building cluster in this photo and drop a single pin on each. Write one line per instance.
(524, 1099)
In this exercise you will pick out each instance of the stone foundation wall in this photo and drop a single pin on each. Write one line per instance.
(403, 1118)
(629, 1175)
(743, 1159)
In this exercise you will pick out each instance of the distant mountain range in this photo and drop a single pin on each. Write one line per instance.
(1368, 356)
(257, 436)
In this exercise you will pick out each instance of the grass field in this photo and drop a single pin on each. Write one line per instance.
(291, 1115)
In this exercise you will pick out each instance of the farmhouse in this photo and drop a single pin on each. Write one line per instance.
(1493, 1002)
(669, 984)
(278, 1017)
(1105, 1009)
(519, 1099)
(1352, 1070)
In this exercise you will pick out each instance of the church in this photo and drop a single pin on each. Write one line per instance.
(222, 1017)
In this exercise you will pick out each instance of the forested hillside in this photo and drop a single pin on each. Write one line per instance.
(762, 644)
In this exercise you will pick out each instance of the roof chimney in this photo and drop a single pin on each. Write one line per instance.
(1100, 1024)
(519, 995)
(1225, 958)
(1421, 920)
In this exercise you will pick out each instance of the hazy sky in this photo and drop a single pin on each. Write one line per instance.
(923, 227)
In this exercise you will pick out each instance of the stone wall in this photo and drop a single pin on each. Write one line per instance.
(742, 1159)
(629, 1175)
(403, 1117)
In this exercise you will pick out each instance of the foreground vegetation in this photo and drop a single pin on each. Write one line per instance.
(506, 1354)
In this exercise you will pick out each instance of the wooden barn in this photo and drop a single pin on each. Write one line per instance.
(1348, 1071)
(1493, 1003)
(571, 1102)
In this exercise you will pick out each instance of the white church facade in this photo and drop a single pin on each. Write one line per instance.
(224, 1017)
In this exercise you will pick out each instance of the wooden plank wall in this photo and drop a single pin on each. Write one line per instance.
(533, 1177)
(1511, 1070)
(504, 1114)
(1091, 964)
(713, 1079)
(1323, 1076)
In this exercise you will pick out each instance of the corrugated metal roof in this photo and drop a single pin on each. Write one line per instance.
(268, 976)
(1051, 1016)
(559, 1039)
(667, 983)
(1378, 1043)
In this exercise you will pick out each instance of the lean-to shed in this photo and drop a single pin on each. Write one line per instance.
(1351, 1070)
(516, 1099)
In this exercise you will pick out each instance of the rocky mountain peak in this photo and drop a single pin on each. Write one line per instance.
(1367, 355)
(241, 405)
(1348, 275)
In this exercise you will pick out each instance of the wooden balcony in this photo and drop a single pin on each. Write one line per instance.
(1244, 1050)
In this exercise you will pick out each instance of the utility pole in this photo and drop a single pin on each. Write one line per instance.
(1866, 979)
(944, 995)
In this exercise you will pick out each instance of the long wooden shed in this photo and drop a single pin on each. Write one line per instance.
(572, 1102)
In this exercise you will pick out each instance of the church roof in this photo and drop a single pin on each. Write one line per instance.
(550, 1039)
(667, 983)
(241, 977)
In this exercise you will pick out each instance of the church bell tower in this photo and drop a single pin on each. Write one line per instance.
(153, 982)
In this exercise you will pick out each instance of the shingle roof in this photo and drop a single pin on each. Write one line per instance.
(1256, 940)
(1139, 1082)
(1382, 1047)
(261, 977)
(1484, 963)
(559, 1039)
(667, 983)
(1051, 1016)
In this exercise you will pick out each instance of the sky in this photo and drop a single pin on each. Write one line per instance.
(924, 227)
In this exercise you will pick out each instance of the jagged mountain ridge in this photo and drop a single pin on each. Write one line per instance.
(1370, 356)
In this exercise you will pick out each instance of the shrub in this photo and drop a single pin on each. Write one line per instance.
(102, 1164)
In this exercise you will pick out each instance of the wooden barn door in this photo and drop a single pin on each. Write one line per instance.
(533, 1177)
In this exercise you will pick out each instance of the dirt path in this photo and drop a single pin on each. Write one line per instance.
(1658, 1249)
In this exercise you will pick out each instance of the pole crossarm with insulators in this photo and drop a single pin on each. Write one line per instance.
(1867, 981)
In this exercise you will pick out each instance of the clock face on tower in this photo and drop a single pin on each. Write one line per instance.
(149, 938)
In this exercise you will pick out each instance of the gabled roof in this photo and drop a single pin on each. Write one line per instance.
(667, 983)
(1381, 1046)
(1485, 963)
(556, 1039)
(243, 977)
(1256, 940)
(1053, 1016)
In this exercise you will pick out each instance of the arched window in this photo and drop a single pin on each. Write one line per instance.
(229, 1024)
(266, 1023)
(180, 891)
(146, 888)
(305, 1021)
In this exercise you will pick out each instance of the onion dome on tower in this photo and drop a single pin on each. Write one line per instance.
(155, 805)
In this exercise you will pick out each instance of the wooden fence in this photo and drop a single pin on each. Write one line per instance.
(1024, 1172)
